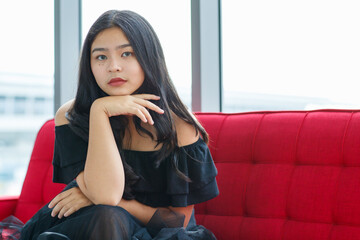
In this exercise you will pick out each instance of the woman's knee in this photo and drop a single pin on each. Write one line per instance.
(109, 212)
(109, 221)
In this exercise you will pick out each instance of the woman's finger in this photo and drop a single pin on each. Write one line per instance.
(146, 113)
(64, 209)
(149, 105)
(80, 203)
(55, 201)
(146, 96)
(70, 211)
(59, 197)
(136, 110)
(60, 205)
(77, 206)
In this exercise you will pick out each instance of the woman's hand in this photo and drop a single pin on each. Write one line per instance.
(68, 202)
(141, 211)
(137, 104)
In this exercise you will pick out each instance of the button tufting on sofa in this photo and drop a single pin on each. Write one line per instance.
(282, 175)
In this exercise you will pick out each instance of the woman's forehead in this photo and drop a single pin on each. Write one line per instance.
(110, 37)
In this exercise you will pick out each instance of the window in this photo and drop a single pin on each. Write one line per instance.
(20, 105)
(2, 104)
(39, 105)
(26, 72)
(280, 55)
(171, 22)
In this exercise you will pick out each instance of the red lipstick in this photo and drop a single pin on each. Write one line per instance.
(116, 81)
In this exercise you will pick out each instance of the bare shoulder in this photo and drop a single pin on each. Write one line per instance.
(186, 132)
(60, 118)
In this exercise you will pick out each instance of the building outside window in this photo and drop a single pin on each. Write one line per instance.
(26, 82)
(2, 105)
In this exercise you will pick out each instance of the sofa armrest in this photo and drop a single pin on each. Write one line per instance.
(7, 206)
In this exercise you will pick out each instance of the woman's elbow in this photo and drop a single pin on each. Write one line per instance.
(99, 194)
(111, 200)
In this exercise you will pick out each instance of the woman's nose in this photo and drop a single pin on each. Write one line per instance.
(114, 66)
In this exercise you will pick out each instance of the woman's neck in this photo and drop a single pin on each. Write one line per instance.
(139, 142)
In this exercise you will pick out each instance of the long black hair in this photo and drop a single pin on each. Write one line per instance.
(149, 54)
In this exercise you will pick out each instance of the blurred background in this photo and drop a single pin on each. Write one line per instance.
(259, 55)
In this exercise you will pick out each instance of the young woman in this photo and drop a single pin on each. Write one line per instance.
(134, 158)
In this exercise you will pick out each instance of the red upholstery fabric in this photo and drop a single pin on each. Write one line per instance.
(7, 206)
(38, 188)
(285, 175)
(282, 175)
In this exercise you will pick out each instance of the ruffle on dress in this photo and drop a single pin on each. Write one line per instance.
(162, 186)
(157, 187)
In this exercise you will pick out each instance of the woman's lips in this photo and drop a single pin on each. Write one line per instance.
(116, 82)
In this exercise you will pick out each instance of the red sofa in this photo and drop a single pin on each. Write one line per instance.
(282, 175)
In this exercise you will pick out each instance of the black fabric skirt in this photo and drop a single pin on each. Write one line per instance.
(104, 222)
(101, 222)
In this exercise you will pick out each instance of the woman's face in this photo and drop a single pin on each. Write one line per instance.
(113, 63)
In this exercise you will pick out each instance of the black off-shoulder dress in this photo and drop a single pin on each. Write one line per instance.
(157, 187)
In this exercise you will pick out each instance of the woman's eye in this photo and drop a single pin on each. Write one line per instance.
(101, 57)
(126, 54)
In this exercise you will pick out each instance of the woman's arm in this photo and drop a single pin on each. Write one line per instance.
(186, 134)
(103, 179)
(102, 156)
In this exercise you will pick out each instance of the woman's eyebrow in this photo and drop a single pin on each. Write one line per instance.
(106, 49)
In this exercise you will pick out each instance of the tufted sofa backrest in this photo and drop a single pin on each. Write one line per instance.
(290, 175)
